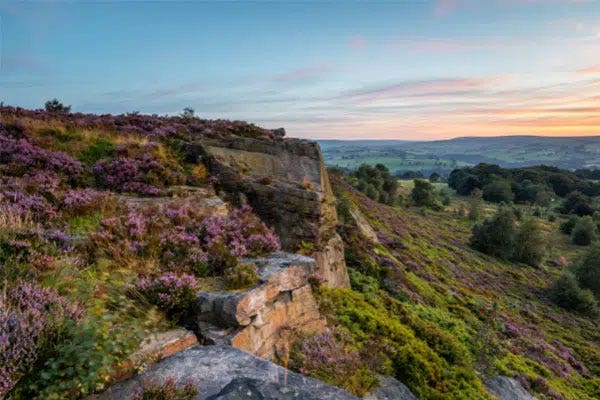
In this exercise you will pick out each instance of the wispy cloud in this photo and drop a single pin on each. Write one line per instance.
(303, 73)
(595, 69)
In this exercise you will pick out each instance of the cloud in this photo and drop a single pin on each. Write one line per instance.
(430, 87)
(444, 7)
(303, 73)
(595, 69)
(357, 42)
(441, 45)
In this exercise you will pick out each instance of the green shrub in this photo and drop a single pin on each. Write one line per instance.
(584, 232)
(587, 270)
(567, 293)
(100, 148)
(241, 276)
(84, 363)
(476, 205)
(530, 243)
(496, 235)
(567, 226)
(423, 194)
(498, 192)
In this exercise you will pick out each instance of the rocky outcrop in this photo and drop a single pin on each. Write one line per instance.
(286, 183)
(261, 319)
(506, 388)
(223, 372)
(365, 229)
(390, 389)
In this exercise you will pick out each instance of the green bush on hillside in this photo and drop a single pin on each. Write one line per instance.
(567, 293)
(423, 194)
(496, 235)
(587, 270)
(584, 232)
(530, 244)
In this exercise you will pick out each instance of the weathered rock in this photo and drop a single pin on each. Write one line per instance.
(286, 183)
(255, 317)
(153, 349)
(507, 388)
(390, 389)
(365, 229)
(221, 371)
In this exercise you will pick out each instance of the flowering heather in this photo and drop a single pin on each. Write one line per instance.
(171, 292)
(137, 169)
(78, 201)
(19, 156)
(151, 126)
(30, 315)
(31, 205)
(242, 232)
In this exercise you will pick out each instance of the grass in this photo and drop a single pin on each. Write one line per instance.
(425, 262)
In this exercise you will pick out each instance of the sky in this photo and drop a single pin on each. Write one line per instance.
(336, 70)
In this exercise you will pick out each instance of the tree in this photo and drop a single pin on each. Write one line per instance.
(530, 244)
(587, 270)
(584, 232)
(476, 205)
(498, 191)
(577, 203)
(423, 194)
(567, 226)
(496, 235)
(567, 293)
(188, 113)
(434, 177)
(56, 106)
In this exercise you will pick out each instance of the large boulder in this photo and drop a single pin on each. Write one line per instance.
(260, 318)
(221, 372)
(286, 183)
(507, 388)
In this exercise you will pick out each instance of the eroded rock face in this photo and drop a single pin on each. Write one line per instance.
(506, 388)
(221, 372)
(255, 319)
(286, 183)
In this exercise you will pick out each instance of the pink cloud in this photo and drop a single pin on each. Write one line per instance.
(357, 42)
(303, 73)
(444, 7)
(595, 69)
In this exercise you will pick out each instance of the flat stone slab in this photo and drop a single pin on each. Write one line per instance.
(221, 372)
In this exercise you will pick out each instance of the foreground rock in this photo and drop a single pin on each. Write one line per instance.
(507, 388)
(390, 389)
(261, 319)
(286, 183)
(222, 372)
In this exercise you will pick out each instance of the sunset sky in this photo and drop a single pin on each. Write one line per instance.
(345, 70)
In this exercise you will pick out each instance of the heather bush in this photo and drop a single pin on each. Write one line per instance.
(141, 169)
(168, 390)
(82, 201)
(242, 232)
(32, 321)
(26, 205)
(171, 292)
(96, 347)
(19, 157)
(241, 276)
(327, 357)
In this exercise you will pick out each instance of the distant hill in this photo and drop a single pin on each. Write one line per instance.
(445, 155)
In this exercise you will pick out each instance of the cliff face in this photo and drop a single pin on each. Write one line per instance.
(286, 183)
